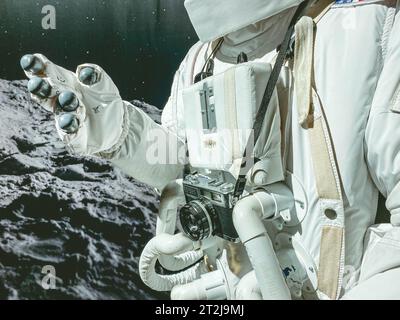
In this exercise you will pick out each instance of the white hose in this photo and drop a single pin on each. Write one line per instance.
(169, 245)
(248, 288)
(267, 269)
(171, 197)
(211, 286)
(247, 217)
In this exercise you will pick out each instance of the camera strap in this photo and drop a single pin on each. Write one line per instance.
(284, 50)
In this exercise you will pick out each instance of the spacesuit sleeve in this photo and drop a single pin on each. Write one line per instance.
(113, 129)
(382, 135)
(151, 153)
(126, 136)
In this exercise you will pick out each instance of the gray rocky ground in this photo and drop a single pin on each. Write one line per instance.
(80, 215)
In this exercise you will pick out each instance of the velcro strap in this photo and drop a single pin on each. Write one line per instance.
(322, 162)
(330, 256)
(326, 171)
(304, 40)
(328, 184)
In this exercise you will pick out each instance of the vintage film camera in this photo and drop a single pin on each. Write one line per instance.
(209, 205)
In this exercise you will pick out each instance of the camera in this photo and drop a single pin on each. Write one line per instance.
(209, 205)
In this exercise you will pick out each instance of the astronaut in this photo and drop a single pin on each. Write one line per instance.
(303, 227)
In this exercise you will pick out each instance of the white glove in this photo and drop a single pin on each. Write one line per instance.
(87, 105)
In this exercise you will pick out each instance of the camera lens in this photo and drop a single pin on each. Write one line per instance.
(198, 219)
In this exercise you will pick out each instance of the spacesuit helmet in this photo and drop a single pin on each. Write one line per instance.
(213, 19)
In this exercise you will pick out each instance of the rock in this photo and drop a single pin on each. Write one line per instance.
(151, 111)
(82, 216)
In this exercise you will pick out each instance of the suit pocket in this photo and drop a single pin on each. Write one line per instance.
(382, 250)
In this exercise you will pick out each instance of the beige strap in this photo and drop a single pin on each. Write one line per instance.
(304, 39)
(325, 176)
(311, 117)
(331, 261)
(330, 256)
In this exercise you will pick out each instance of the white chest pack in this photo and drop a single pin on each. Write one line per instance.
(219, 114)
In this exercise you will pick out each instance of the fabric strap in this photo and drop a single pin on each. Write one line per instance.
(327, 177)
(259, 119)
(317, 8)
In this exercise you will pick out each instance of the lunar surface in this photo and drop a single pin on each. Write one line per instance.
(79, 215)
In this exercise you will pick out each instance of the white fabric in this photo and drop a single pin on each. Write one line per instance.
(237, 95)
(213, 19)
(256, 39)
(98, 104)
(379, 275)
(382, 244)
(365, 146)
(382, 286)
(357, 74)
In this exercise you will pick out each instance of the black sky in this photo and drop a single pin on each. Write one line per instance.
(140, 43)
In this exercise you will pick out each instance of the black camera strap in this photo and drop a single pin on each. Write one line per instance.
(273, 79)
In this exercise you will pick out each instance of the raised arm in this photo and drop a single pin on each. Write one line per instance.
(93, 120)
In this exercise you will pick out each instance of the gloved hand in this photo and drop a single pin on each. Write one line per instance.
(87, 105)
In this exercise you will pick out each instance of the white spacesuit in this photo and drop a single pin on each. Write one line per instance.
(330, 142)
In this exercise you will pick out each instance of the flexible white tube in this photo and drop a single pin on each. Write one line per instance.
(191, 291)
(171, 197)
(170, 245)
(247, 218)
(267, 269)
(211, 286)
(248, 288)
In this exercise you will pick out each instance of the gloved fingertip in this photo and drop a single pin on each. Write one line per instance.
(31, 63)
(68, 122)
(39, 87)
(88, 76)
(68, 101)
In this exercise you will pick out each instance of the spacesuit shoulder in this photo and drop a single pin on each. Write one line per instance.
(171, 117)
(188, 65)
